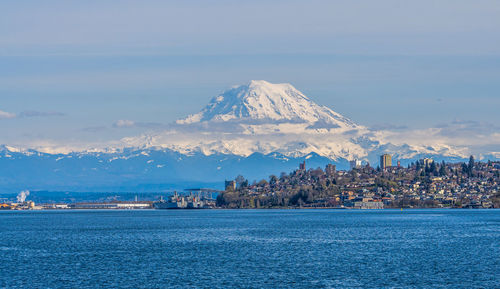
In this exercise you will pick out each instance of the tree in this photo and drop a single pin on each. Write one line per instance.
(273, 180)
(429, 168)
(442, 170)
(471, 164)
(239, 180)
(465, 169)
(433, 168)
(220, 200)
(310, 197)
(262, 182)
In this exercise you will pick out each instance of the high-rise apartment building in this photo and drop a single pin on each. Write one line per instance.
(330, 169)
(230, 186)
(354, 164)
(385, 161)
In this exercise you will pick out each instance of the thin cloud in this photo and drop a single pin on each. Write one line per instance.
(126, 123)
(474, 136)
(388, 126)
(29, 113)
(94, 129)
(34, 113)
(5, 115)
(468, 128)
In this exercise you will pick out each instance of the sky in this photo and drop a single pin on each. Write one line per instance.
(93, 71)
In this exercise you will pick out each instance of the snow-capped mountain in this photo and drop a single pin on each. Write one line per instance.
(261, 117)
(256, 129)
(264, 101)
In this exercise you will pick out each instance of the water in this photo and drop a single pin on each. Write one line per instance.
(250, 248)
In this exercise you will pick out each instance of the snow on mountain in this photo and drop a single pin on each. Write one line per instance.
(261, 100)
(261, 117)
(255, 129)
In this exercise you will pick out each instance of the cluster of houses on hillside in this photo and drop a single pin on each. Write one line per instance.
(424, 183)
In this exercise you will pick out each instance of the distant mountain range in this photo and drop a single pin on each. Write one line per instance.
(254, 129)
(261, 117)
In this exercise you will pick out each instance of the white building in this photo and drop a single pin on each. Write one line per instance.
(355, 164)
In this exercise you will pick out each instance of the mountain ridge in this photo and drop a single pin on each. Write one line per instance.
(264, 117)
(227, 137)
(144, 170)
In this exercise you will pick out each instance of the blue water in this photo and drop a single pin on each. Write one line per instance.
(250, 249)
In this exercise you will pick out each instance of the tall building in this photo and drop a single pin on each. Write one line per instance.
(427, 162)
(330, 169)
(385, 161)
(302, 166)
(355, 164)
(230, 185)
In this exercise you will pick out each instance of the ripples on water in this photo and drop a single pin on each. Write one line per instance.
(250, 248)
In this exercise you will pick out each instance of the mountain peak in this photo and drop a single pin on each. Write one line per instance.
(265, 101)
(266, 85)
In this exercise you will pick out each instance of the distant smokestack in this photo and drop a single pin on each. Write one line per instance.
(21, 197)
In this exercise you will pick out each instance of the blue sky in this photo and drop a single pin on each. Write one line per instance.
(72, 69)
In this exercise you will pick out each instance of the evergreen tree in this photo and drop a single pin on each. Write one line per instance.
(433, 168)
(239, 180)
(442, 170)
(471, 163)
(465, 169)
(273, 180)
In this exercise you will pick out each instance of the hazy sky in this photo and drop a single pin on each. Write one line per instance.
(73, 69)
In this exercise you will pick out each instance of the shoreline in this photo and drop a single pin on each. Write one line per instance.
(247, 209)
